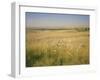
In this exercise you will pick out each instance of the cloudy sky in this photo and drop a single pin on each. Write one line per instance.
(51, 20)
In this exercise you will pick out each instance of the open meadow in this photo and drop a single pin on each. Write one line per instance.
(56, 47)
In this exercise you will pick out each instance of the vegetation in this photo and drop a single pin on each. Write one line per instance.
(57, 47)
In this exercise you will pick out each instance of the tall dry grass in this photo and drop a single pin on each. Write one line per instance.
(56, 47)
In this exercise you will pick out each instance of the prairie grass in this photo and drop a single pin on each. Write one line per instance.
(56, 47)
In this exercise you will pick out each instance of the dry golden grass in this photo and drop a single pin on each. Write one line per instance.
(56, 47)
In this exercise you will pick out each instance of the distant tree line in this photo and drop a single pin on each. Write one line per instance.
(82, 29)
(68, 28)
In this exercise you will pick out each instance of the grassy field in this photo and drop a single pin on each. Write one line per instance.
(56, 47)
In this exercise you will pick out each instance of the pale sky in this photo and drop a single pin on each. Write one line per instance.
(51, 20)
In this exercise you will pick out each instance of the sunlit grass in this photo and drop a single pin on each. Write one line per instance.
(56, 47)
